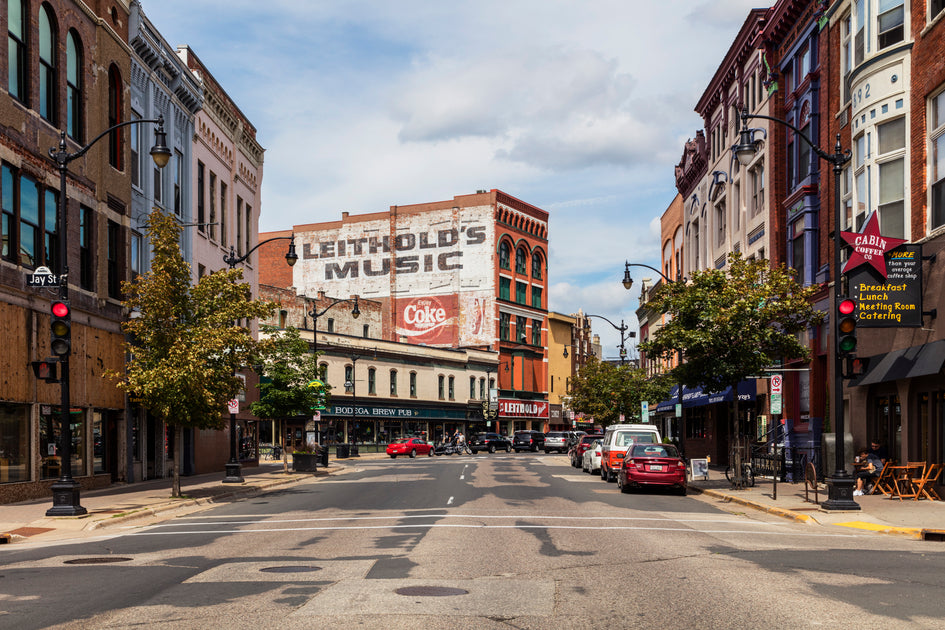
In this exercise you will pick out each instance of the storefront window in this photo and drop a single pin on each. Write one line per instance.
(14, 443)
(98, 443)
(49, 450)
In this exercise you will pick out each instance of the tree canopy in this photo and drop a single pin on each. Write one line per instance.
(604, 390)
(287, 374)
(731, 324)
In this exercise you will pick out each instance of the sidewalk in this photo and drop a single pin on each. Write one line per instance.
(923, 519)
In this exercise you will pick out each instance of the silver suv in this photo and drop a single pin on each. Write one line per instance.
(556, 441)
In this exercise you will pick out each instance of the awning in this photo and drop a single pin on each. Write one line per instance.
(905, 363)
(697, 397)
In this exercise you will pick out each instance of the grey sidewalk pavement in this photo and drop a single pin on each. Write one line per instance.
(878, 513)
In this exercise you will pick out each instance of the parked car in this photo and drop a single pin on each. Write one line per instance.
(652, 465)
(556, 441)
(532, 441)
(577, 451)
(590, 460)
(410, 447)
(617, 439)
(491, 442)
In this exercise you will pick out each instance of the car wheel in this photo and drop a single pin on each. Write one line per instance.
(682, 491)
(393, 457)
(492, 448)
(413, 453)
(475, 452)
(534, 449)
(603, 475)
(430, 453)
(508, 449)
(624, 488)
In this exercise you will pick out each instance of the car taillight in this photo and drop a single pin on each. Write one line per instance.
(629, 464)
(682, 465)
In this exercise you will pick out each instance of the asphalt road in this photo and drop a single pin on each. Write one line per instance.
(487, 541)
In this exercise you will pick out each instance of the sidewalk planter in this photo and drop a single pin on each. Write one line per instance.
(304, 462)
(342, 451)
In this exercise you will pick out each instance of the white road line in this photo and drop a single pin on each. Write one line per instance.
(450, 502)
(401, 517)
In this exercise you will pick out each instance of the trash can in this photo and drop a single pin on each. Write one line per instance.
(341, 451)
(354, 450)
(323, 457)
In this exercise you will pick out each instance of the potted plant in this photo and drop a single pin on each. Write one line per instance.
(304, 459)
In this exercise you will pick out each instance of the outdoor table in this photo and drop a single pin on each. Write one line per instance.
(904, 479)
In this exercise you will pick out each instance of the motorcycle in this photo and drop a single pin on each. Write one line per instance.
(449, 448)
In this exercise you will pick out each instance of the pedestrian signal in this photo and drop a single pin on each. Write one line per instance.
(46, 370)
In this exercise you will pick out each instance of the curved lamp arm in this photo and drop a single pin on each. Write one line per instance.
(291, 257)
(355, 311)
(628, 281)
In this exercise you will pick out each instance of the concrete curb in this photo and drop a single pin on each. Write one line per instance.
(776, 511)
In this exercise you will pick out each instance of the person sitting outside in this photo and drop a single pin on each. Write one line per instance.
(869, 467)
(879, 451)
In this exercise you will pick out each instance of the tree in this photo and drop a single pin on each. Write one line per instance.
(730, 324)
(187, 344)
(604, 390)
(289, 383)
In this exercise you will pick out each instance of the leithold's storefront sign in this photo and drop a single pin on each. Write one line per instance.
(885, 278)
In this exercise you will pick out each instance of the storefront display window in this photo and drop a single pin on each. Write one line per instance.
(49, 449)
(14, 443)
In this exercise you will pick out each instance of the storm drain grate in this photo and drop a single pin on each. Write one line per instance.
(430, 591)
(291, 569)
(103, 560)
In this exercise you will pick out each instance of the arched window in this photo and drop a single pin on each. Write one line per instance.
(16, 47)
(74, 86)
(520, 258)
(505, 255)
(116, 138)
(47, 64)
(536, 265)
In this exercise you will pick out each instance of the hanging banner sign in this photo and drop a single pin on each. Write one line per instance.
(894, 301)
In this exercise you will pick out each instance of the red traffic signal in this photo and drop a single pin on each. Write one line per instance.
(61, 328)
(846, 326)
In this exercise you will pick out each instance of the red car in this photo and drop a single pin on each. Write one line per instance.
(410, 447)
(652, 465)
(577, 451)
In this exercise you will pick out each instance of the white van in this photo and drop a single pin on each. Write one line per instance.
(617, 439)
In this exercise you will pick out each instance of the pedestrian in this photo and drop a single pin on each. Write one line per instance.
(877, 449)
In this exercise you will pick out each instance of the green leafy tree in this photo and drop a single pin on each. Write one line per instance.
(730, 324)
(604, 390)
(187, 344)
(289, 383)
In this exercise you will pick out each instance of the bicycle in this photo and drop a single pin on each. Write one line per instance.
(748, 474)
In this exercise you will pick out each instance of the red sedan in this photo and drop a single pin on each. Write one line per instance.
(410, 447)
(652, 465)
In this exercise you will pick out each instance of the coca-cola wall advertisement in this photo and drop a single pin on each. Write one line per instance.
(445, 319)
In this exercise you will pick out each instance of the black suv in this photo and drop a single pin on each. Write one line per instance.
(491, 442)
(532, 441)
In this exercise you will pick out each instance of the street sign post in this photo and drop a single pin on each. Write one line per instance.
(43, 277)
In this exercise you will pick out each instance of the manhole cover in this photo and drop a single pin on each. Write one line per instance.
(430, 591)
(105, 560)
(290, 569)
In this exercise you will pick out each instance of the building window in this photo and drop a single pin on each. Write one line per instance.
(30, 228)
(520, 260)
(935, 7)
(891, 138)
(116, 137)
(239, 225)
(223, 217)
(846, 199)
(440, 386)
(372, 381)
(47, 65)
(365, 330)
(803, 155)
(136, 267)
(536, 266)
(86, 232)
(114, 256)
(536, 296)
(201, 197)
(505, 288)
(413, 384)
(249, 226)
(212, 196)
(797, 249)
(331, 325)
(720, 224)
(505, 321)
(482, 389)
(890, 25)
(451, 387)
(472, 387)
(521, 292)
(756, 179)
(135, 137)
(860, 154)
(178, 180)
(505, 254)
(16, 50)
(521, 333)
(937, 159)
(536, 332)
(349, 375)
(859, 40)
(158, 184)
(393, 382)
(74, 86)
(846, 58)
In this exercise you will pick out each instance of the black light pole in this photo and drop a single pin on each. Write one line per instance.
(624, 335)
(840, 485)
(66, 489)
(234, 473)
(351, 386)
(627, 283)
(315, 314)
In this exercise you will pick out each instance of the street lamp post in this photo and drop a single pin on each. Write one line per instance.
(351, 386)
(315, 314)
(840, 485)
(66, 489)
(624, 335)
(234, 472)
(627, 284)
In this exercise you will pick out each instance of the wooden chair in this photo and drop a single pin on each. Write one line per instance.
(906, 483)
(884, 483)
(926, 485)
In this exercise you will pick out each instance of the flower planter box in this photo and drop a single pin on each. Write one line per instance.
(304, 462)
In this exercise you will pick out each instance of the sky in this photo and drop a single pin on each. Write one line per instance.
(581, 108)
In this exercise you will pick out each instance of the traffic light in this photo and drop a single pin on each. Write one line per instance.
(846, 327)
(46, 370)
(61, 328)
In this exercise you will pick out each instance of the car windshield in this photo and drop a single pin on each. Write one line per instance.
(590, 439)
(627, 438)
(654, 450)
(401, 441)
